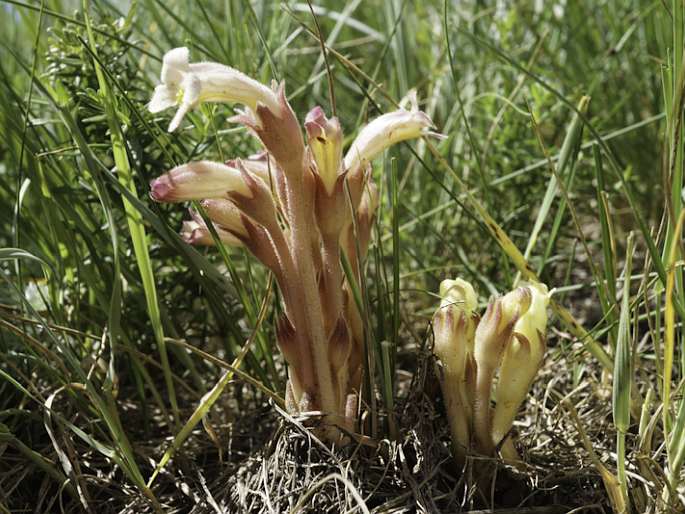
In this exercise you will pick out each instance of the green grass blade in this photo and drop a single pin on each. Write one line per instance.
(135, 222)
(623, 373)
(573, 134)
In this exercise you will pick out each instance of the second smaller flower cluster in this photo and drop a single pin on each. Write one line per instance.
(493, 358)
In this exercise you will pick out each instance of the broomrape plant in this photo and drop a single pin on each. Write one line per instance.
(496, 357)
(296, 207)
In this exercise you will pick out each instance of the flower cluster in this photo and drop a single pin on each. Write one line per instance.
(297, 206)
(495, 358)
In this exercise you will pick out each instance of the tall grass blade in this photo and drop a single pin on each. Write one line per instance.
(134, 219)
(623, 374)
(565, 163)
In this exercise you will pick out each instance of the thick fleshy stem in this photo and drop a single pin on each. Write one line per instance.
(300, 201)
(330, 203)
(458, 412)
(482, 412)
(332, 281)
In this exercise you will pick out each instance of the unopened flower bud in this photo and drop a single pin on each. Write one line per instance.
(453, 329)
(521, 361)
(224, 213)
(495, 328)
(493, 334)
(533, 323)
(365, 216)
(196, 233)
(325, 142)
(453, 325)
(460, 293)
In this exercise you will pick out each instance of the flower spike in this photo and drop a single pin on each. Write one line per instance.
(454, 326)
(295, 207)
(508, 343)
(520, 362)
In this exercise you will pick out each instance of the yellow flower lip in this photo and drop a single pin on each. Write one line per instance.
(325, 143)
(179, 95)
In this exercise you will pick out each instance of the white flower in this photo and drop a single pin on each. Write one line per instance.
(386, 130)
(187, 85)
(198, 180)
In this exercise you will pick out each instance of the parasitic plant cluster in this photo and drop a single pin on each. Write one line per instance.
(492, 358)
(297, 207)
